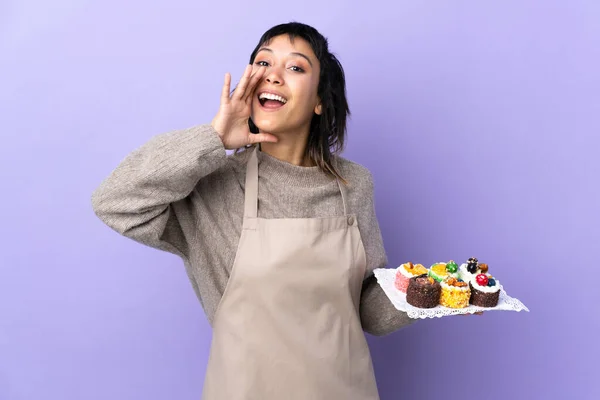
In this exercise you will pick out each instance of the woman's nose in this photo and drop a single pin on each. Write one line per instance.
(273, 76)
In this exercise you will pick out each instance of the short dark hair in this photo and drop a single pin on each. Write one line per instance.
(328, 130)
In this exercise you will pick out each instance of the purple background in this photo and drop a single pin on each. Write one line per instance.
(479, 121)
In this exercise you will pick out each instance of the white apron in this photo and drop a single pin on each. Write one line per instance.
(288, 325)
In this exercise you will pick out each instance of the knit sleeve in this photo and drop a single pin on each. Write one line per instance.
(137, 199)
(378, 315)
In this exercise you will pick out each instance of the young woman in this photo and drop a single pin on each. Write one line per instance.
(279, 239)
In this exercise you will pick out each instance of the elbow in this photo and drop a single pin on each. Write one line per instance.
(100, 205)
(145, 227)
(377, 332)
(385, 327)
(104, 209)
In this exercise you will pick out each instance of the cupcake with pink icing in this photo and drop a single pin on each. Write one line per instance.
(406, 271)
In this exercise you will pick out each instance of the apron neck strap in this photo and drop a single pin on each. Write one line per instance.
(251, 195)
(343, 192)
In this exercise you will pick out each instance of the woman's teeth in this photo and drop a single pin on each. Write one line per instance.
(269, 96)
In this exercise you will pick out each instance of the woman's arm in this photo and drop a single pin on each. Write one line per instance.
(137, 198)
(377, 313)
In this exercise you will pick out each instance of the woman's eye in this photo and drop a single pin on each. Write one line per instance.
(262, 63)
(296, 69)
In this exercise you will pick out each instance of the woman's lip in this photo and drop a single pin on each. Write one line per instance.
(265, 109)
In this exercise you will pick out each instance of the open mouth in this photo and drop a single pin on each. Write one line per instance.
(271, 101)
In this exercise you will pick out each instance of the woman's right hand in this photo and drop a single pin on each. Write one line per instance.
(231, 121)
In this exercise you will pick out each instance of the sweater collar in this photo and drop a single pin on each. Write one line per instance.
(285, 173)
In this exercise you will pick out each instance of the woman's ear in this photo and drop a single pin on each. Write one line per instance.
(319, 108)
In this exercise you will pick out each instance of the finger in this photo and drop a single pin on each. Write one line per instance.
(475, 313)
(254, 138)
(225, 90)
(256, 77)
(238, 93)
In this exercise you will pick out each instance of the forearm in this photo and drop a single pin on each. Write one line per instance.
(137, 194)
(378, 315)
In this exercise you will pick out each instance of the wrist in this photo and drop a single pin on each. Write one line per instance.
(217, 129)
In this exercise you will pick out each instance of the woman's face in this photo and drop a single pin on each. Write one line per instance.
(286, 98)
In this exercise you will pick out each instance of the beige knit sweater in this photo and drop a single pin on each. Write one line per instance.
(183, 194)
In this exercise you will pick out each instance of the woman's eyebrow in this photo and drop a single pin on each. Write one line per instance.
(293, 54)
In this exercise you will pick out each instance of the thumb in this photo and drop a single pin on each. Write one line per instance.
(262, 137)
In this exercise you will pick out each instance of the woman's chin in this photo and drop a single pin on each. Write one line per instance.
(267, 125)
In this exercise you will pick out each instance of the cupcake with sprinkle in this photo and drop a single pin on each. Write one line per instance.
(455, 293)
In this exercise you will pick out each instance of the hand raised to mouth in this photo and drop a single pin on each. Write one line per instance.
(231, 121)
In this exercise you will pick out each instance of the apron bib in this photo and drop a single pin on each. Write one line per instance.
(288, 325)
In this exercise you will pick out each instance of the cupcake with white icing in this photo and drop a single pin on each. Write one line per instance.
(485, 291)
(469, 270)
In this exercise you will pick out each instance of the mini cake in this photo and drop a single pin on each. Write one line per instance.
(485, 291)
(405, 272)
(469, 270)
(441, 271)
(423, 292)
(455, 293)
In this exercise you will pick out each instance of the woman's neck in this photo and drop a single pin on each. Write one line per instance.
(290, 148)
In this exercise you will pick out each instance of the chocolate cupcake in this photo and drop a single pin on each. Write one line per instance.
(485, 291)
(423, 292)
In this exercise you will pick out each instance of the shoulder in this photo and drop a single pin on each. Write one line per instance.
(358, 176)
